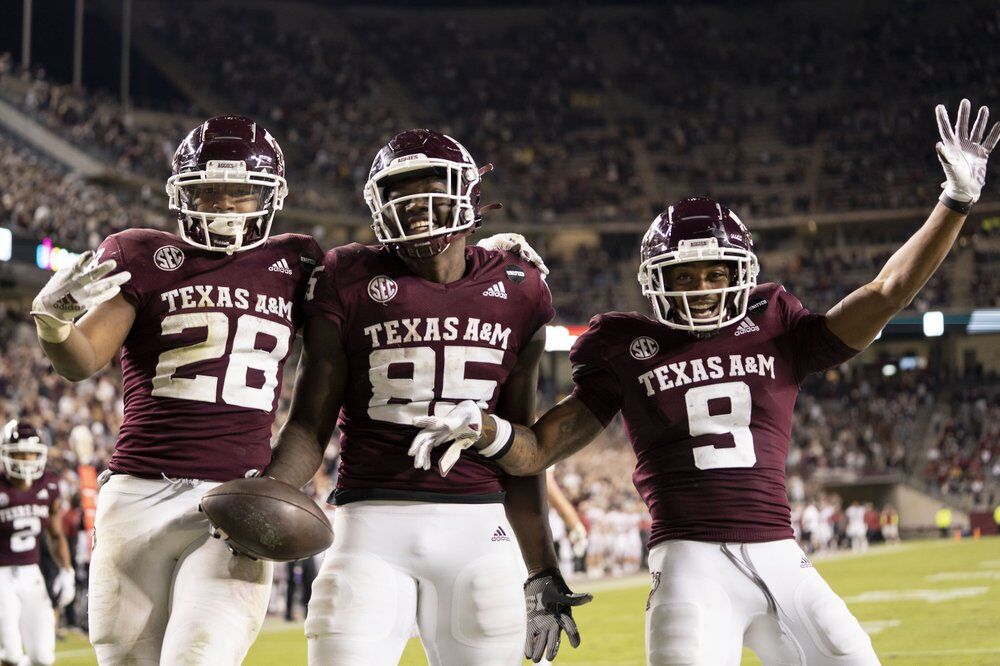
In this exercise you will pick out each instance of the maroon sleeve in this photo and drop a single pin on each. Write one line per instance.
(545, 311)
(323, 294)
(809, 341)
(594, 383)
(111, 248)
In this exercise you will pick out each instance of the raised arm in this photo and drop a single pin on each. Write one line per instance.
(858, 318)
(316, 400)
(79, 349)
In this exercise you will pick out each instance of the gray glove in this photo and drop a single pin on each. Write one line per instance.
(550, 601)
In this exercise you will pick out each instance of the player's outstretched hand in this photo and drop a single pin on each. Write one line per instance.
(461, 426)
(518, 245)
(550, 612)
(64, 587)
(71, 292)
(963, 153)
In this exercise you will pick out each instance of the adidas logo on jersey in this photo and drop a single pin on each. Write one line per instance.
(496, 291)
(805, 563)
(746, 326)
(281, 266)
(500, 535)
(44, 494)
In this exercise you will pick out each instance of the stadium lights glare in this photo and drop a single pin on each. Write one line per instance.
(6, 244)
(888, 370)
(52, 257)
(558, 338)
(933, 324)
(984, 321)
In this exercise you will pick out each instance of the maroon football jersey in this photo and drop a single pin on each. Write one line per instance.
(417, 348)
(709, 418)
(203, 362)
(24, 517)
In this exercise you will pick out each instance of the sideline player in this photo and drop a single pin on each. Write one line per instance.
(29, 505)
(204, 326)
(706, 390)
(402, 330)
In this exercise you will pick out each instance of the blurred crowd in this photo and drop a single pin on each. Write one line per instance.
(822, 524)
(588, 117)
(964, 458)
(576, 131)
(40, 198)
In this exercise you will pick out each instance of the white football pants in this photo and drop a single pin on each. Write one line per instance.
(709, 599)
(161, 590)
(453, 569)
(27, 623)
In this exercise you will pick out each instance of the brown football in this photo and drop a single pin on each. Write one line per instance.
(268, 519)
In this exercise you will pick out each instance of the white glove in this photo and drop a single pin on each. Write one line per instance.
(578, 540)
(462, 426)
(64, 587)
(71, 292)
(518, 245)
(963, 153)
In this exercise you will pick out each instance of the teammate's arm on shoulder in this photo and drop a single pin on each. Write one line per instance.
(93, 340)
(320, 384)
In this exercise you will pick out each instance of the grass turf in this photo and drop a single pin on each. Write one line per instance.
(925, 603)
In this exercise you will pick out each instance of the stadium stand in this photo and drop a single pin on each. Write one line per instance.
(576, 140)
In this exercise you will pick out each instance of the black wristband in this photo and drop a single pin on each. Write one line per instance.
(962, 207)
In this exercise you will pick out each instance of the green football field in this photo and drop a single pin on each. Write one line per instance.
(926, 602)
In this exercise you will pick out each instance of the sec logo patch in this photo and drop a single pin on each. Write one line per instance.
(643, 348)
(168, 258)
(382, 289)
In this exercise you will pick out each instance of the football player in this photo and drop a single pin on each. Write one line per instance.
(29, 505)
(205, 320)
(706, 389)
(402, 330)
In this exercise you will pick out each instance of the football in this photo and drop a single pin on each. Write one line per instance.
(268, 519)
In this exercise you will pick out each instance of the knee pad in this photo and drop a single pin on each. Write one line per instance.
(678, 621)
(355, 594)
(487, 605)
(830, 624)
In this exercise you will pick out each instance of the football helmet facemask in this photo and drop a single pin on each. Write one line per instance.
(22, 440)
(696, 230)
(228, 181)
(415, 154)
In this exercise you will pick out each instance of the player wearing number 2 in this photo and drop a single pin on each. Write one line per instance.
(706, 389)
(29, 506)
(205, 321)
(402, 330)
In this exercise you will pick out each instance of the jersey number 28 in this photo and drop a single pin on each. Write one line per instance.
(243, 357)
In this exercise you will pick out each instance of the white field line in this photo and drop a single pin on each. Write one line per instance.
(964, 575)
(941, 653)
(931, 596)
(878, 626)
